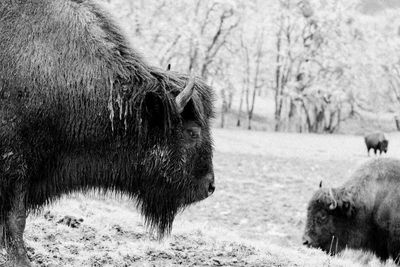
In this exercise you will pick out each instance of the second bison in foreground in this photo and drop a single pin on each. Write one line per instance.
(364, 213)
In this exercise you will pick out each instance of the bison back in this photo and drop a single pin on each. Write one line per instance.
(373, 140)
(62, 46)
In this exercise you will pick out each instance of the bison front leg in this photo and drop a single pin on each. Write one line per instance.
(14, 229)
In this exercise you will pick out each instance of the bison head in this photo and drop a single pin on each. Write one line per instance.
(384, 145)
(197, 143)
(176, 148)
(330, 215)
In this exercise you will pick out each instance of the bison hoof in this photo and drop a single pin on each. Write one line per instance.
(71, 221)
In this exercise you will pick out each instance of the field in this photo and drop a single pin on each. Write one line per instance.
(255, 217)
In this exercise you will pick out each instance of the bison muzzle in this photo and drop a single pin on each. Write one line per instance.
(364, 213)
(80, 109)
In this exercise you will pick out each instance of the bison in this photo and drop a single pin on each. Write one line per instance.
(364, 213)
(80, 109)
(376, 141)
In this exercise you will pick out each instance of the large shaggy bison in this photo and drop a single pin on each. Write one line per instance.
(377, 142)
(364, 213)
(80, 109)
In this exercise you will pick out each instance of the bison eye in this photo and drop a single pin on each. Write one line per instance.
(192, 131)
(193, 134)
(322, 218)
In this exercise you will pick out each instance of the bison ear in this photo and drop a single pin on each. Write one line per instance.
(347, 209)
(340, 201)
(153, 111)
(346, 205)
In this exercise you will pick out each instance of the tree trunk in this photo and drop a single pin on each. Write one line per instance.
(319, 121)
(230, 100)
(278, 112)
(249, 121)
(397, 120)
(223, 108)
(222, 119)
(240, 108)
(308, 120)
(339, 119)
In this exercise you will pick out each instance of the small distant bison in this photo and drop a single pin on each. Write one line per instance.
(364, 213)
(376, 141)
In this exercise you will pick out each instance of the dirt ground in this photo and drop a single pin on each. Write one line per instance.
(255, 217)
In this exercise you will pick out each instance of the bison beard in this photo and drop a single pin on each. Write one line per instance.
(81, 110)
(361, 214)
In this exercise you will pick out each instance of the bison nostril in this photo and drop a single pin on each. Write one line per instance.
(306, 241)
(211, 188)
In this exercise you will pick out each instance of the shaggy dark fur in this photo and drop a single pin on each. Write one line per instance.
(377, 142)
(80, 109)
(362, 214)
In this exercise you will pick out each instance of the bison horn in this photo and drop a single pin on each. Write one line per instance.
(183, 98)
(333, 204)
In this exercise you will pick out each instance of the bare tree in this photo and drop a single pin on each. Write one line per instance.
(252, 80)
(224, 107)
(239, 116)
(393, 75)
(283, 63)
(278, 75)
(213, 37)
(298, 44)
